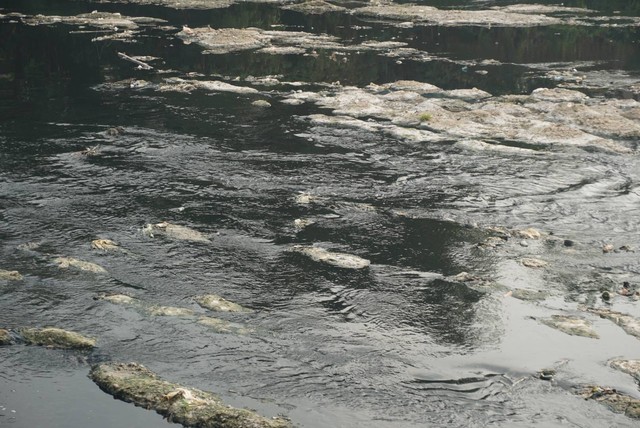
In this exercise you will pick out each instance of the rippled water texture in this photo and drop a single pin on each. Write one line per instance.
(418, 142)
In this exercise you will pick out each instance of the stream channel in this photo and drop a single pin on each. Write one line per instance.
(424, 138)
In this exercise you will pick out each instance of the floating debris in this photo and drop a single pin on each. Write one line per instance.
(67, 262)
(174, 231)
(190, 407)
(56, 338)
(217, 303)
(341, 260)
(10, 275)
(533, 263)
(575, 326)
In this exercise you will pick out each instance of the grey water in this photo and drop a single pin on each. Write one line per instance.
(394, 345)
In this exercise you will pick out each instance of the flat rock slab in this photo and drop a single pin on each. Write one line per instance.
(190, 407)
(317, 254)
(575, 326)
(56, 338)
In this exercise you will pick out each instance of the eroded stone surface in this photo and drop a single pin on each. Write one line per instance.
(572, 325)
(190, 407)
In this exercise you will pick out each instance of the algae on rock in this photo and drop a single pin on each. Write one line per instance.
(56, 338)
(190, 407)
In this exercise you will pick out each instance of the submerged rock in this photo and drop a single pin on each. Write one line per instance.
(221, 326)
(5, 337)
(174, 231)
(321, 255)
(530, 295)
(217, 303)
(575, 326)
(56, 338)
(631, 367)
(628, 323)
(615, 400)
(190, 407)
(118, 299)
(170, 311)
(105, 245)
(10, 275)
(67, 262)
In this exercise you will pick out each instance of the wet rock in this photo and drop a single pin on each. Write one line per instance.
(70, 262)
(56, 338)
(631, 367)
(5, 337)
(575, 326)
(607, 248)
(261, 103)
(615, 400)
(118, 299)
(315, 7)
(216, 303)
(105, 245)
(10, 275)
(170, 311)
(628, 323)
(174, 231)
(102, 20)
(190, 407)
(533, 263)
(301, 223)
(317, 254)
(115, 131)
(529, 233)
(529, 295)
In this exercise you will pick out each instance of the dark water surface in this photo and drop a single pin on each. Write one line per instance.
(395, 345)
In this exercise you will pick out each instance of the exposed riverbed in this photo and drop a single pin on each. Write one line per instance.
(346, 214)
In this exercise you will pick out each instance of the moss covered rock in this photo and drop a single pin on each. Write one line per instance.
(56, 338)
(190, 407)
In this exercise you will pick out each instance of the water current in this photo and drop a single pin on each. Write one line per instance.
(350, 155)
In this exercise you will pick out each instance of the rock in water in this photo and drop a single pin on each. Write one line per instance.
(5, 337)
(10, 275)
(341, 260)
(105, 245)
(628, 323)
(190, 407)
(533, 263)
(67, 262)
(574, 326)
(174, 231)
(56, 338)
(217, 303)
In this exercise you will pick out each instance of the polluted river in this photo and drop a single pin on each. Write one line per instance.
(319, 214)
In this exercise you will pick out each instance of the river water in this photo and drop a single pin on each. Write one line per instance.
(92, 147)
